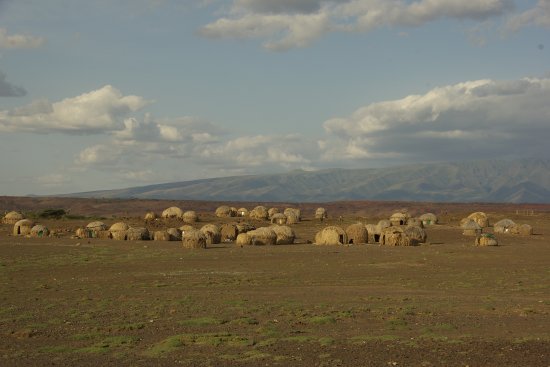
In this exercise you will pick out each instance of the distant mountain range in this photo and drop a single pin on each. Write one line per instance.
(517, 181)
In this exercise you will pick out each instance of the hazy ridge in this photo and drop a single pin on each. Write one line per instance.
(517, 181)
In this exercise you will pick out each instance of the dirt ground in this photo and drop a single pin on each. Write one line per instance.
(92, 302)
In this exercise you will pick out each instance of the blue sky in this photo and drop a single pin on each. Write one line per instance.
(110, 94)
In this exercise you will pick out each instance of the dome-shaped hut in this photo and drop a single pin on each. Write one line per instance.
(396, 236)
(211, 233)
(486, 239)
(23, 227)
(175, 233)
(374, 233)
(242, 212)
(415, 222)
(428, 219)
(229, 232)
(504, 226)
(331, 235)
(297, 212)
(471, 228)
(278, 218)
(172, 212)
(285, 234)
(480, 218)
(150, 216)
(272, 211)
(39, 231)
(262, 236)
(12, 217)
(224, 211)
(416, 233)
(137, 234)
(259, 213)
(522, 229)
(193, 239)
(243, 239)
(291, 218)
(357, 234)
(321, 214)
(245, 227)
(161, 235)
(190, 216)
(119, 231)
(399, 219)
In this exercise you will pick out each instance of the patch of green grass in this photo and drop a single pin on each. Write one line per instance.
(267, 342)
(129, 327)
(165, 346)
(326, 341)
(56, 349)
(251, 355)
(321, 320)
(202, 321)
(299, 339)
(396, 324)
(87, 336)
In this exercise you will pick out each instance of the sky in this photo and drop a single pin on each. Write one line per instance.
(110, 94)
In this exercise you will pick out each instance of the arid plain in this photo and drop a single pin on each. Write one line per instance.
(68, 301)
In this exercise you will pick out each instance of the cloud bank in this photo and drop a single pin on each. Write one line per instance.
(473, 119)
(9, 90)
(289, 24)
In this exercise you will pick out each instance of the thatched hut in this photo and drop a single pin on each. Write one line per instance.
(243, 239)
(119, 226)
(278, 218)
(97, 226)
(522, 229)
(321, 214)
(120, 235)
(503, 226)
(229, 232)
(175, 234)
(245, 227)
(428, 219)
(399, 219)
(416, 233)
(259, 213)
(396, 236)
(471, 228)
(23, 227)
(480, 218)
(172, 212)
(292, 218)
(374, 232)
(262, 236)
(39, 231)
(193, 239)
(285, 234)
(415, 222)
(212, 234)
(162, 235)
(225, 211)
(150, 216)
(486, 239)
(190, 216)
(331, 235)
(297, 212)
(242, 212)
(12, 217)
(383, 224)
(357, 234)
(137, 234)
(272, 211)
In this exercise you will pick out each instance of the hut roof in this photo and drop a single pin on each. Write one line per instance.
(119, 226)
(172, 212)
(331, 235)
(97, 225)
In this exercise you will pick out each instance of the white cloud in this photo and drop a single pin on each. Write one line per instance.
(537, 16)
(95, 112)
(288, 24)
(19, 40)
(461, 121)
(9, 90)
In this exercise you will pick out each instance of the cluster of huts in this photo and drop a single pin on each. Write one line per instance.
(23, 226)
(399, 230)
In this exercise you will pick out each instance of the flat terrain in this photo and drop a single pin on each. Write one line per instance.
(68, 302)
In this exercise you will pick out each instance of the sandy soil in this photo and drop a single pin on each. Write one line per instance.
(67, 301)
